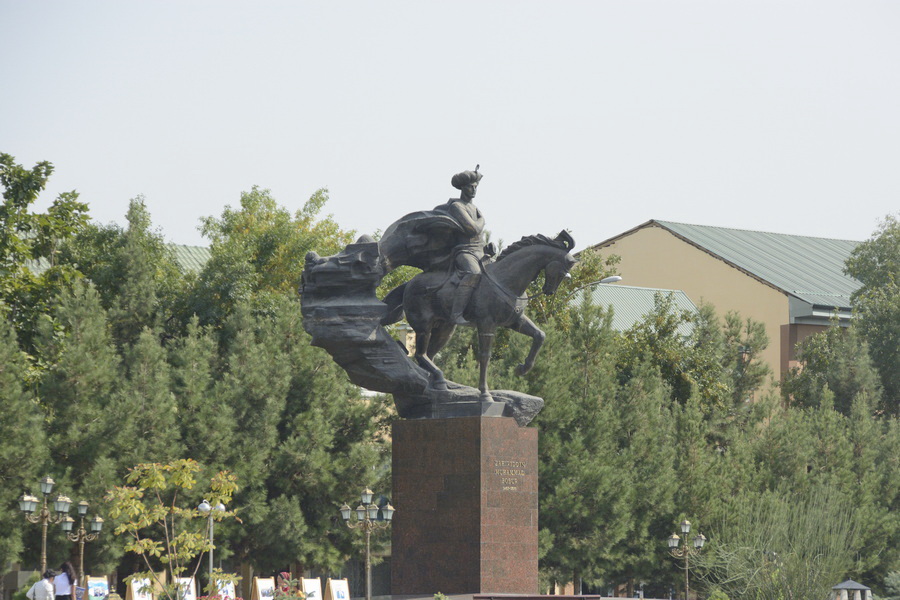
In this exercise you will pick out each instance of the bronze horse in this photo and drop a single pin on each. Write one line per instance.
(497, 301)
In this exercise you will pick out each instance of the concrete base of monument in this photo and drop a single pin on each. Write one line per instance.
(464, 401)
(466, 495)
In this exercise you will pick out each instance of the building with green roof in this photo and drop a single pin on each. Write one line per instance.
(631, 304)
(190, 258)
(793, 284)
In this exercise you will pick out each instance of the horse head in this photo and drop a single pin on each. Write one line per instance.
(557, 270)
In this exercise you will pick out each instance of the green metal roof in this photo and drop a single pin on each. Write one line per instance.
(191, 258)
(809, 268)
(631, 304)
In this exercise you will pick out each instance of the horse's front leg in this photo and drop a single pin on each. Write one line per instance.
(525, 326)
(485, 342)
(437, 376)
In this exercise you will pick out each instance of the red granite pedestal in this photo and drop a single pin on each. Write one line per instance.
(466, 495)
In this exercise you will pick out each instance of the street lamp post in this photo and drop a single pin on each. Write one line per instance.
(207, 509)
(81, 536)
(28, 505)
(367, 520)
(684, 551)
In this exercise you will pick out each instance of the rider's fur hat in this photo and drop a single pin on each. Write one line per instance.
(461, 180)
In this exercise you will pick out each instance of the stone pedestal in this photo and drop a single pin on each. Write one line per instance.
(467, 507)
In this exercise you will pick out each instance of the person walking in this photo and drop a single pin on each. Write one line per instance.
(65, 582)
(43, 589)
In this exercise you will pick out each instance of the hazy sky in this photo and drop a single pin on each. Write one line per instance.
(593, 116)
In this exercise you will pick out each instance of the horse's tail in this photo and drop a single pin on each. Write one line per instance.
(394, 301)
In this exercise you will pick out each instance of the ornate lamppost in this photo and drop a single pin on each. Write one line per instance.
(81, 535)
(28, 504)
(207, 509)
(684, 551)
(367, 520)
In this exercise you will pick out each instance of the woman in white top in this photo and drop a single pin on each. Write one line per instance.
(65, 582)
(43, 589)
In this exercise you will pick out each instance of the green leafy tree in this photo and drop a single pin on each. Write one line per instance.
(590, 268)
(102, 409)
(836, 360)
(30, 275)
(647, 438)
(257, 252)
(876, 263)
(717, 361)
(134, 271)
(874, 486)
(657, 340)
(148, 514)
(303, 433)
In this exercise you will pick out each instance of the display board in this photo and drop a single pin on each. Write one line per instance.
(337, 589)
(225, 590)
(139, 589)
(188, 587)
(312, 588)
(263, 588)
(97, 587)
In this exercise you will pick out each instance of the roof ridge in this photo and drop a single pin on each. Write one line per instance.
(791, 235)
(639, 287)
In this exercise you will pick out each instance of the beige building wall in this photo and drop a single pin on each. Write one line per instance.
(791, 335)
(654, 257)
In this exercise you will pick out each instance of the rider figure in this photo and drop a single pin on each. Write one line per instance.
(470, 249)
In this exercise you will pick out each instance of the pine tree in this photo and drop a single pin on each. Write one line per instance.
(77, 389)
(584, 484)
(320, 441)
(145, 409)
(134, 271)
(647, 440)
(208, 427)
(22, 442)
(874, 486)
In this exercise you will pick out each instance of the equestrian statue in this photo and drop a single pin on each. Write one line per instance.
(463, 283)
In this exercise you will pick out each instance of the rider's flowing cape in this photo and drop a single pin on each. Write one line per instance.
(423, 239)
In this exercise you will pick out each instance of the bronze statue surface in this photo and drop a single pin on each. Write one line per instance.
(460, 284)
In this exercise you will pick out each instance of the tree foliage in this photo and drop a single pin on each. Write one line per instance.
(111, 356)
(29, 243)
(257, 253)
(718, 361)
(157, 528)
(836, 369)
(22, 440)
(134, 361)
(774, 546)
(876, 263)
